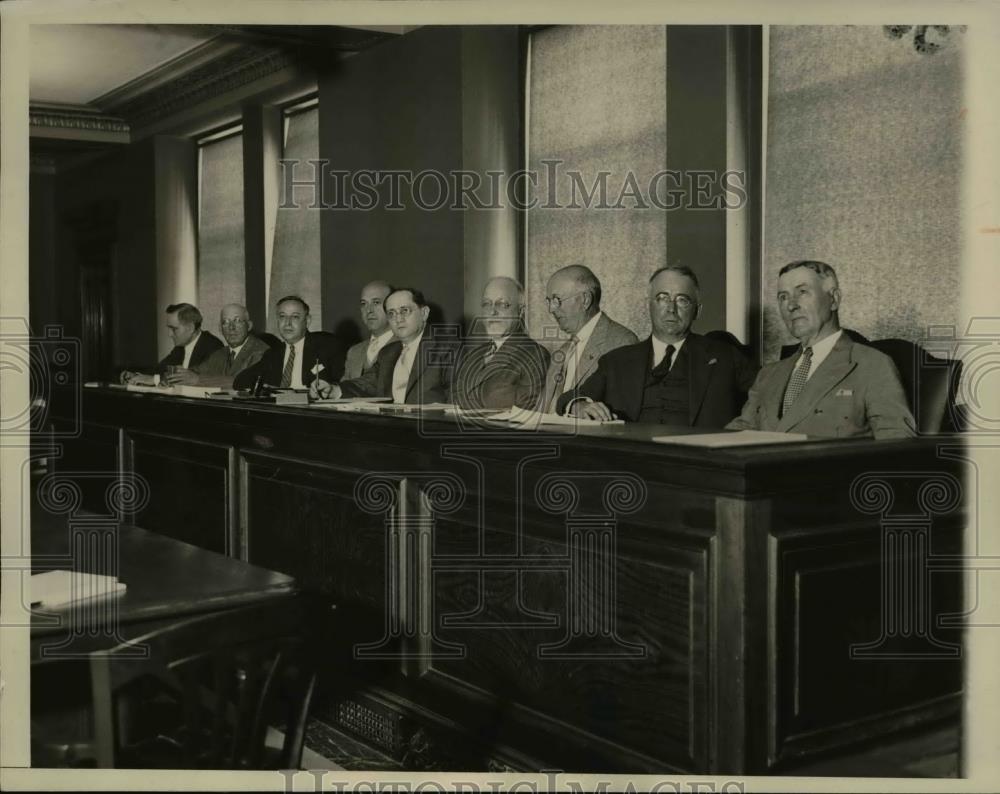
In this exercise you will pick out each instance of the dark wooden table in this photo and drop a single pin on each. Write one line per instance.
(166, 579)
(582, 600)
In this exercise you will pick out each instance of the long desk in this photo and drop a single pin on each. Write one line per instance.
(582, 600)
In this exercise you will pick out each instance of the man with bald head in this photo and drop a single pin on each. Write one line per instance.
(573, 298)
(362, 356)
(242, 350)
(500, 366)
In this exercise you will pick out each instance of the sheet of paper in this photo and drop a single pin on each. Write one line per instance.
(519, 416)
(740, 438)
(55, 588)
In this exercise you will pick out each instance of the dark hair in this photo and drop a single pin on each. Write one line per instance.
(418, 296)
(684, 270)
(295, 298)
(186, 313)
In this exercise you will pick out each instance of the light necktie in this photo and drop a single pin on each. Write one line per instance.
(286, 374)
(372, 350)
(561, 371)
(798, 380)
(401, 375)
(490, 353)
(229, 360)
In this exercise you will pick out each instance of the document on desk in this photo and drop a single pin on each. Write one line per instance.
(740, 438)
(369, 405)
(521, 418)
(57, 588)
(176, 391)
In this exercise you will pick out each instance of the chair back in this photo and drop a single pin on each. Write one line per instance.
(930, 383)
(219, 680)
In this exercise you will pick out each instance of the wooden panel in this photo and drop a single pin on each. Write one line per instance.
(846, 666)
(189, 489)
(303, 520)
(90, 461)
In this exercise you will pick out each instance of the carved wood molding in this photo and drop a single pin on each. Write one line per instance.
(70, 117)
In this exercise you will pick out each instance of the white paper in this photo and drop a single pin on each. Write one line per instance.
(55, 588)
(740, 438)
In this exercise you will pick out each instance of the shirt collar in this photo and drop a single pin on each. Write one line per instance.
(660, 347)
(194, 340)
(584, 334)
(416, 341)
(382, 339)
(822, 349)
(236, 350)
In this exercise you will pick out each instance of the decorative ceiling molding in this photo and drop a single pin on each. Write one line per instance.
(233, 70)
(74, 118)
(171, 70)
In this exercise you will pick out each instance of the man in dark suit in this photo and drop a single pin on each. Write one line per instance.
(508, 368)
(412, 369)
(242, 350)
(675, 377)
(573, 298)
(303, 357)
(832, 387)
(191, 345)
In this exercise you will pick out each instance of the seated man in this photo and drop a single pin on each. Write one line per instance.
(191, 345)
(361, 357)
(509, 368)
(411, 369)
(833, 387)
(675, 377)
(241, 350)
(304, 356)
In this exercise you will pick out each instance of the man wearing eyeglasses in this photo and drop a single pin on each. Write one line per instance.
(675, 377)
(240, 351)
(412, 369)
(508, 367)
(573, 298)
(304, 355)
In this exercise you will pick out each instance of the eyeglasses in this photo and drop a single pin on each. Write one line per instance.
(680, 301)
(500, 306)
(402, 312)
(233, 323)
(554, 302)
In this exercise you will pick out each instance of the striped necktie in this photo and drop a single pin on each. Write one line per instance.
(286, 373)
(557, 383)
(490, 353)
(798, 380)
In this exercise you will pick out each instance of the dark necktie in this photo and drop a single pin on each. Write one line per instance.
(286, 374)
(798, 380)
(661, 369)
(229, 361)
(490, 353)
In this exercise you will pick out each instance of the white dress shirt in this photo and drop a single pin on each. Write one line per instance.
(404, 365)
(582, 337)
(820, 351)
(296, 382)
(660, 350)
(376, 343)
(189, 349)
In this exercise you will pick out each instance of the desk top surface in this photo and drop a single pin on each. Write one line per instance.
(164, 577)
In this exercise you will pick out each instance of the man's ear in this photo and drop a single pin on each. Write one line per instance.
(835, 299)
(307, 319)
(249, 326)
(425, 312)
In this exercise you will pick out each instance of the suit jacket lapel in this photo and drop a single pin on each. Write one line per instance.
(416, 368)
(633, 376)
(592, 351)
(699, 374)
(832, 371)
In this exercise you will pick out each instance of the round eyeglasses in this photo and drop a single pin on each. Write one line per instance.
(680, 301)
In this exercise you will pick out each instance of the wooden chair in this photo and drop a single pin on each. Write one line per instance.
(206, 693)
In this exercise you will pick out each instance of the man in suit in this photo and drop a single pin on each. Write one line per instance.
(303, 357)
(573, 298)
(241, 350)
(191, 345)
(674, 377)
(412, 369)
(833, 387)
(361, 357)
(508, 368)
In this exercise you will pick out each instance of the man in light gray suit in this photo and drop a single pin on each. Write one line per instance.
(242, 350)
(573, 298)
(834, 387)
(362, 356)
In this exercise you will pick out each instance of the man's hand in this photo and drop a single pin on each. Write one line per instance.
(126, 377)
(592, 410)
(319, 389)
(182, 376)
(137, 379)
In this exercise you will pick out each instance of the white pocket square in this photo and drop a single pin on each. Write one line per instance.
(713, 361)
(317, 367)
(845, 393)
